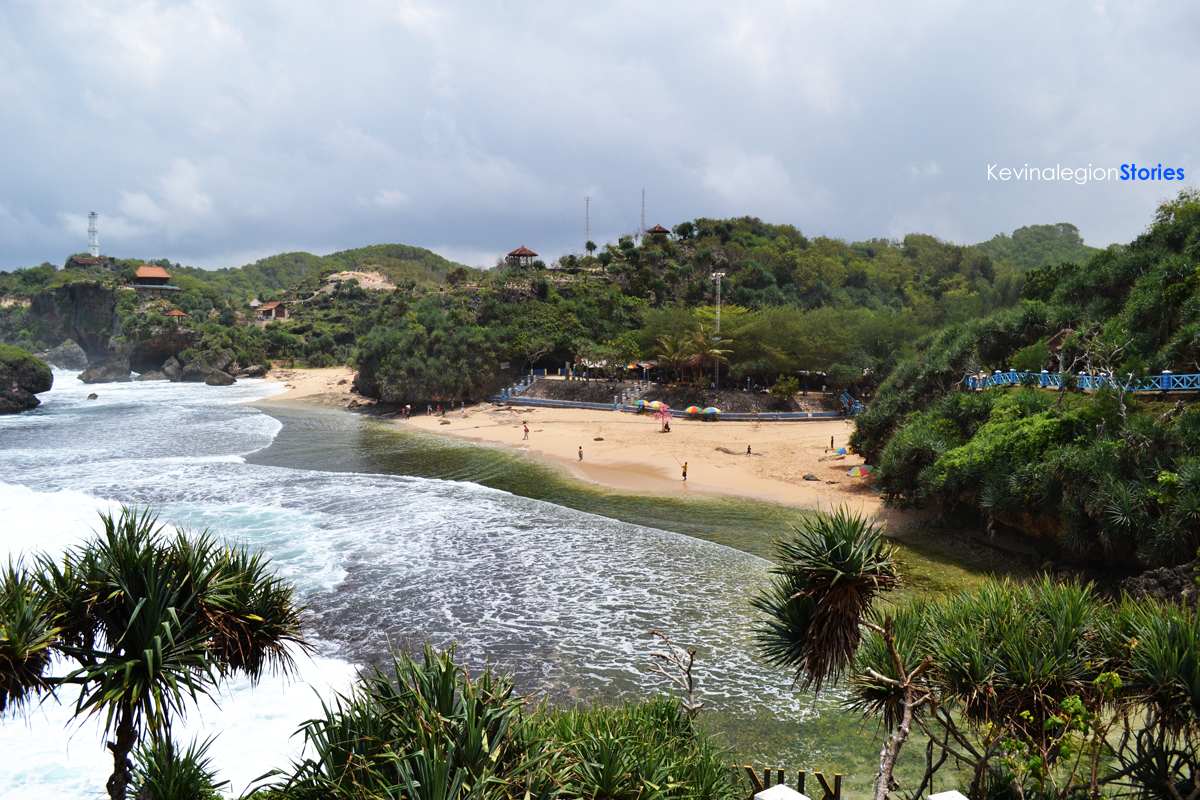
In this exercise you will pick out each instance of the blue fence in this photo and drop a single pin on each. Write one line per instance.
(1166, 382)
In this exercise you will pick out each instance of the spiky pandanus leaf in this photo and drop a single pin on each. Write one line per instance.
(27, 636)
(829, 574)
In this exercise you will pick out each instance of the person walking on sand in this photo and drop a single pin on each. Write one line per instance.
(526, 424)
(581, 452)
(747, 449)
(685, 471)
(830, 442)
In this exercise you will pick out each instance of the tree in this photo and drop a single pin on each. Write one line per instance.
(456, 276)
(785, 388)
(828, 577)
(673, 353)
(706, 350)
(150, 618)
(590, 247)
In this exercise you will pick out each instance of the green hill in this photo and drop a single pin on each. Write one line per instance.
(1038, 246)
(1108, 475)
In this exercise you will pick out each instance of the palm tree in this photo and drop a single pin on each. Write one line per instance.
(829, 575)
(673, 353)
(152, 619)
(706, 350)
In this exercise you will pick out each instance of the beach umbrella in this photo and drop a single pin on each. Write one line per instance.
(633, 366)
(711, 410)
(656, 404)
(859, 472)
(842, 451)
(640, 404)
(692, 410)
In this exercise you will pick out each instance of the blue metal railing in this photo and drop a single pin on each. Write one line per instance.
(1166, 382)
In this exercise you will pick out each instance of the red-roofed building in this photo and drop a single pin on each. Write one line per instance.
(177, 315)
(658, 229)
(152, 276)
(521, 257)
(272, 310)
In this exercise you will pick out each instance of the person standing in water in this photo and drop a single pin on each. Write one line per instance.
(581, 452)
(685, 471)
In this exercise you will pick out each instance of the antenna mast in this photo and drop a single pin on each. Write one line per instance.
(93, 234)
(587, 221)
(642, 230)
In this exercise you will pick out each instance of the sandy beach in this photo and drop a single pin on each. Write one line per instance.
(628, 451)
(329, 386)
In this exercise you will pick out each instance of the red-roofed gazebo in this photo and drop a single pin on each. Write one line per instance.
(521, 257)
(658, 229)
(177, 314)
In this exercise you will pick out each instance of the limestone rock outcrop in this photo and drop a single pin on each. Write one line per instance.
(219, 378)
(173, 370)
(152, 375)
(199, 368)
(67, 355)
(113, 369)
(22, 377)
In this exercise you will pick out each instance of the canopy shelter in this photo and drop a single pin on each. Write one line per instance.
(521, 257)
(177, 315)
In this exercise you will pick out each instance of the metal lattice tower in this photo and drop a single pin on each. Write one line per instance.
(642, 230)
(587, 221)
(93, 234)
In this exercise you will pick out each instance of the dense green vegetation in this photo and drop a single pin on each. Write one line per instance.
(1107, 474)
(265, 279)
(1043, 690)
(791, 305)
(429, 729)
(1036, 246)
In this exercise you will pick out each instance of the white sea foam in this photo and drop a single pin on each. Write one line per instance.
(564, 599)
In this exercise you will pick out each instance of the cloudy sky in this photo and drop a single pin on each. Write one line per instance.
(215, 132)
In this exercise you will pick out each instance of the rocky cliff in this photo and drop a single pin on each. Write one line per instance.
(83, 311)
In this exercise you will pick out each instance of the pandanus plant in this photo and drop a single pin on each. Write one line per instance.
(829, 574)
(151, 618)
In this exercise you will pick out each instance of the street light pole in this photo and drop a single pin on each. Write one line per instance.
(716, 363)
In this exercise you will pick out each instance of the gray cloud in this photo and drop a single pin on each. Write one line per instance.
(212, 132)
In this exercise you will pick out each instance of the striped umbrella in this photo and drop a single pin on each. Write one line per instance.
(640, 404)
(656, 404)
(842, 451)
(859, 472)
(711, 410)
(692, 410)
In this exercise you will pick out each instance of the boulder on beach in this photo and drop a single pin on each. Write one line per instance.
(199, 368)
(152, 375)
(253, 371)
(22, 376)
(810, 477)
(114, 369)
(219, 378)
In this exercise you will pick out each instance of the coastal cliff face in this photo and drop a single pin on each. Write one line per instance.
(86, 313)
(83, 311)
(22, 376)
